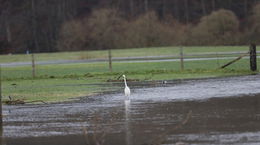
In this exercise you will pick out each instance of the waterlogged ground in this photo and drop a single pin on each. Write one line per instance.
(206, 111)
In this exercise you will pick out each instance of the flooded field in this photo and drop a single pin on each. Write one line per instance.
(206, 111)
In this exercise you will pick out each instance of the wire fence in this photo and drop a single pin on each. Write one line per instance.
(181, 60)
(64, 78)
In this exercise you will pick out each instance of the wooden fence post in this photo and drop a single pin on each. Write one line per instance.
(33, 66)
(181, 58)
(253, 64)
(110, 59)
(217, 59)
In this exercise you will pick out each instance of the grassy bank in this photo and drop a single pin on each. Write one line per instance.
(67, 81)
(155, 51)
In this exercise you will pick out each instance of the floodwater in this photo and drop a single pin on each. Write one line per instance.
(203, 111)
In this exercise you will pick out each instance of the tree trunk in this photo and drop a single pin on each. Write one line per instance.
(8, 32)
(203, 6)
(131, 7)
(176, 9)
(187, 11)
(213, 3)
(245, 7)
(146, 6)
(34, 28)
(164, 8)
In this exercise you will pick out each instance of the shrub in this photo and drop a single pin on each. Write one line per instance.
(147, 30)
(106, 29)
(219, 28)
(72, 36)
(103, 29)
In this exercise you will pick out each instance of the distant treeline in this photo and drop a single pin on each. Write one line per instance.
(69, 25)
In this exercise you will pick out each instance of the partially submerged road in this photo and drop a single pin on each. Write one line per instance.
(119, 59)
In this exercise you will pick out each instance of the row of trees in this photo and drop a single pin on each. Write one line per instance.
(107, 29)
(48, 25)
(33, 24)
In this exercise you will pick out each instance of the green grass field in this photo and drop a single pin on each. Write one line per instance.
(66, 81)
(154, 51)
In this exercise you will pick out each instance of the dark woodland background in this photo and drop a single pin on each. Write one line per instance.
(71, 25)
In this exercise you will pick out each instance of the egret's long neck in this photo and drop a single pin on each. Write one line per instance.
(125, 82)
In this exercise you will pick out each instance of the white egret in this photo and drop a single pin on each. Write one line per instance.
(127, 90)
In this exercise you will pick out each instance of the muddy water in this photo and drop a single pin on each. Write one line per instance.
(208, 111)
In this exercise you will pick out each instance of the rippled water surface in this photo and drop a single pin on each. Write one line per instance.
(207, 111)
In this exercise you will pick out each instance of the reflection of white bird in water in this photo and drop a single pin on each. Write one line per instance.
(127, 90)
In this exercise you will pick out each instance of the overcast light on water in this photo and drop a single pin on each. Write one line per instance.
(203, 111)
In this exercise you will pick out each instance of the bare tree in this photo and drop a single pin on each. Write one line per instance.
(5, 15)
(213, 3)
(131, 4)
(164, 4)
(176, 9)
(146, 6)
(35, 43)
(203, 6)
(245, 7)
(39, 22)
(187, 15)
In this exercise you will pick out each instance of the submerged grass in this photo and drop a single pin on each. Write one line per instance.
(63, 82)
(50, 90)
